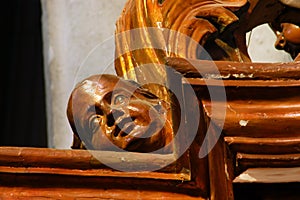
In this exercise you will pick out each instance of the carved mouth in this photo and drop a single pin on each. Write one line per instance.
(131, 136)
(134, 144)
(139, 138)
(123, 127)
(145, 144)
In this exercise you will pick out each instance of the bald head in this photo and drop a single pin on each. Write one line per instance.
(105, 111)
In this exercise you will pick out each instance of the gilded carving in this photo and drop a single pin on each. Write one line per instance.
(219, 26)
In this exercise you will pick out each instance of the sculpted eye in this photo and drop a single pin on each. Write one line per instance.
(94, 123)
(121, 100)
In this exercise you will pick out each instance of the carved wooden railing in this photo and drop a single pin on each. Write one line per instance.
(29, 173)
(260, 141)
(259, 147)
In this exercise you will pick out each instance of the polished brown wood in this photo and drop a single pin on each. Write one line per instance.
(235, 70)
(49, 186)
(74, 174)
(107, 112)
(221, 171)
(85, 162)
(259, 142)
(261, 126)
(245, 161)
(260, 131)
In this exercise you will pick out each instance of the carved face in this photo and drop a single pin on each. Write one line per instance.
(288, 39)
(106, 112)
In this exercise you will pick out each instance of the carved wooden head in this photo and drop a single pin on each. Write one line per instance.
(106, 111)
(288, 38)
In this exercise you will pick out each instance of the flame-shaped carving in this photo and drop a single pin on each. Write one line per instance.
(188, 23)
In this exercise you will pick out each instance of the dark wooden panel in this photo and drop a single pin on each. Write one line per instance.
(264, 145)
(245, 161)
(221, 172)
(38, 186)
(267, 191)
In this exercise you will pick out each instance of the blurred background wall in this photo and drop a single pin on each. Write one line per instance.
(71, 29)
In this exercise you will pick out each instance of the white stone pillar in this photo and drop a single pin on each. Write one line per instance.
(71, 29)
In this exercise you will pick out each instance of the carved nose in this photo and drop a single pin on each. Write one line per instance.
(113, 116)
(110, 114)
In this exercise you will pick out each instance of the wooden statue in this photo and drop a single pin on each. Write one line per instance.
(219, 26)
(106, 112)
(201, 21)
(257, 155)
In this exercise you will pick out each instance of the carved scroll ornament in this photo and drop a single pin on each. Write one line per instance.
(204, 21)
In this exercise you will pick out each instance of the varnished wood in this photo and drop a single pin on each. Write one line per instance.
(235, 70)
(245, 161)
(221, 172)
(260, 118)
(246, 84)
(84, 163)
(107, 112)
(199, 166)
(261, 126)
(66, 193)
(264, 145)
(51, 186)
(33, 172)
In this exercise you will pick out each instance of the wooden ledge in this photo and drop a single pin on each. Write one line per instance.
(30, 173)
(226, 70)
(85, 163)
(241, 83)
